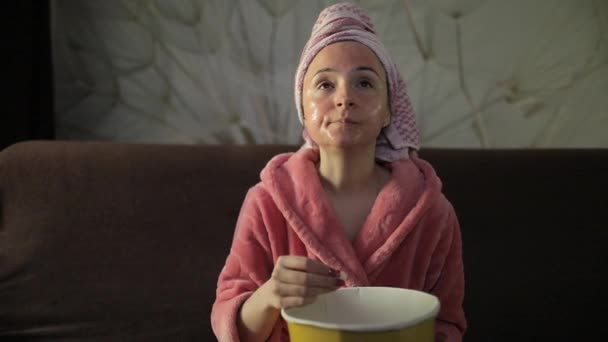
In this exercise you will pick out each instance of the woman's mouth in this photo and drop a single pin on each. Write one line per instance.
(345, 121)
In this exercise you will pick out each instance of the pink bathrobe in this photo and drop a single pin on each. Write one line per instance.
(410, 239)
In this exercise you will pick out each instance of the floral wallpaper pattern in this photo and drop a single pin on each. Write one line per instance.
(481, 73)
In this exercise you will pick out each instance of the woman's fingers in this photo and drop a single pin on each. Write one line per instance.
(291, 290)
(307, 279)
(297, 280)
(295, 262)
(289, 302)
(296, 295)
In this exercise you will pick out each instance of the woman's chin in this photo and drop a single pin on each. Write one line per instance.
(345, 139)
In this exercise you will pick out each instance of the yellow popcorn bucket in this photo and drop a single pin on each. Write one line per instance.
(352, 314)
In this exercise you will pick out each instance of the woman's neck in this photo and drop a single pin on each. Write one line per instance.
(344, 171)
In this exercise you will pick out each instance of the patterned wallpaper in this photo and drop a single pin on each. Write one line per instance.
(481, 73)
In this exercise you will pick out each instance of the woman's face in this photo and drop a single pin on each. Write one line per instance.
(345, 97)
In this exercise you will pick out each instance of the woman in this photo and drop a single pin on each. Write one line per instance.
(354, 207)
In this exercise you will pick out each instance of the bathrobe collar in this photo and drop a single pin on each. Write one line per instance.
(293, 182)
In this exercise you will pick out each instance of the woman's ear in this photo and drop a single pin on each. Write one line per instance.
(412, 152)
(387, 122)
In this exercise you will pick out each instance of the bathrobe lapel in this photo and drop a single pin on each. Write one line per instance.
(292, 181)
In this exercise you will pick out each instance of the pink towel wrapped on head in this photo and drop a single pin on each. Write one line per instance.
(347, 22)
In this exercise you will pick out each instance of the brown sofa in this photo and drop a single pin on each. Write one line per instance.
(124, 242)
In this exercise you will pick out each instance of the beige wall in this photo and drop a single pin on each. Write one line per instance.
(490, 73)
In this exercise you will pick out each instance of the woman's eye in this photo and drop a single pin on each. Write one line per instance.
(325, 85)
(366, 84)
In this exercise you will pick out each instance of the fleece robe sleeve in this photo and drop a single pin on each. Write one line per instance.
(449, 285)
(248, 265)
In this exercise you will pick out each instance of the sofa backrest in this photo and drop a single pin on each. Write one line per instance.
(119, 241)
(115, 240)
(535, 240)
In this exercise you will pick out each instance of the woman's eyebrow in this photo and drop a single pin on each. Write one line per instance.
(324, 70)
(364, 68)
(361, 68)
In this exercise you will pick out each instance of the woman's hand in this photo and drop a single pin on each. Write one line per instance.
(297, 281)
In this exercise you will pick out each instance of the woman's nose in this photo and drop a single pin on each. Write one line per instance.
(344, 98)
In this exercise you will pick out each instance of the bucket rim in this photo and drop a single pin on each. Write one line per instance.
(369, 327)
